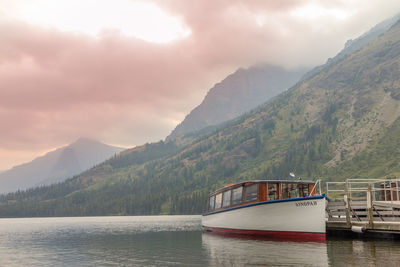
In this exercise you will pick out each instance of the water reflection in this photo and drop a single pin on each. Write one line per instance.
(244, 251)
(169, 241)
(354, 252)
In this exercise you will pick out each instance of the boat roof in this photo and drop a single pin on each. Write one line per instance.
(278, 181)
(264, 181)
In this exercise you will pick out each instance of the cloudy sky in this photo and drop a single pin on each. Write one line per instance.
(127, 72)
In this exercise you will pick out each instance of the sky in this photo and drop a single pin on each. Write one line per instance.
(126, 72)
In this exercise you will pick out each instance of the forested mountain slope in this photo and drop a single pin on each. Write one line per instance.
(342, 122)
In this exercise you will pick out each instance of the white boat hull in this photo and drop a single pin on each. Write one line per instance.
(287, 217)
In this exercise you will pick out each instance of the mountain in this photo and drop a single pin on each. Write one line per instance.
(245, 89)
(236, 94)
(57, 165)
(342, 122)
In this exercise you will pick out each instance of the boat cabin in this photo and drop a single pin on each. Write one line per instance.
(258, 191)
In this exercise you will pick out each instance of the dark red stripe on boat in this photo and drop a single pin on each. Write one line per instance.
(296, 236)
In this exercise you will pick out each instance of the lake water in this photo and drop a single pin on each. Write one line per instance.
(169, 241)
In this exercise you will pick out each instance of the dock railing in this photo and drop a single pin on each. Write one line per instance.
(363, 200)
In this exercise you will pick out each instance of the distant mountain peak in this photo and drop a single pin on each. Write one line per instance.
(57, 165)
(85, 140)
(238, 93)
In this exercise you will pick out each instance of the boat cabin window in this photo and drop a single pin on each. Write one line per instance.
(251, 192)
(227, 199)
(237, 195)
(285, 190)
(303, 188)
(218, 201)
(293, 190)
(211, 203)
(272, 191)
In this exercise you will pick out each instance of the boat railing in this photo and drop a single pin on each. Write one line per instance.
(317, 183)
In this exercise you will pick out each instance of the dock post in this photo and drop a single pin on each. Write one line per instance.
(347, 205)
(369, 207)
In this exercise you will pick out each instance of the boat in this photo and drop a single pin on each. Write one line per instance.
(273, 208)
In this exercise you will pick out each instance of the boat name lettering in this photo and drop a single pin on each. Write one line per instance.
(306, 203)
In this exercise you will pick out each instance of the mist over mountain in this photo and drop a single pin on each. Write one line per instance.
(352, 45)
(236, 94)
(342, 122)
(57, 165)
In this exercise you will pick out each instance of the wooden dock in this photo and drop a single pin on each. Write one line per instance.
(363, 208)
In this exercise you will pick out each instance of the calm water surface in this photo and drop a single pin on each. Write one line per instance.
(169, 241)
